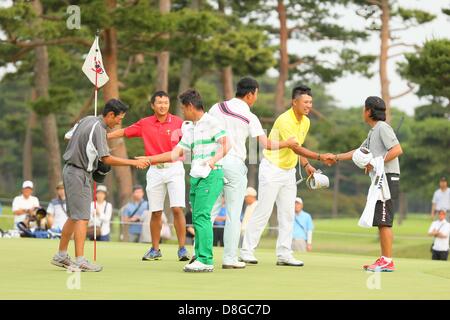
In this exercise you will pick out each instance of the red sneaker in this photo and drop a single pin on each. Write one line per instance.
(382, 265)
(366, 266)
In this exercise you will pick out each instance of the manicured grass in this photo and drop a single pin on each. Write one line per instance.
(28, 274)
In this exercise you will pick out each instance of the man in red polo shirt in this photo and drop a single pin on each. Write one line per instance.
(161, 133)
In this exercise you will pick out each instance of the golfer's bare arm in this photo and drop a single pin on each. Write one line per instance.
(116, 161)
(346, 155)
(304, 152)
(169, 156)
(393, 153)
(272, 144)
(116, 134)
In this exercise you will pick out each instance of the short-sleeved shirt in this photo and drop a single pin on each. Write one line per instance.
(20, 202)
(138, 209)
(222, 213)
(87, 143)
(287, 125)
(441, 244)
(442, 199)
(159, 137)
(302, 224)
(239, 122)
(380, 140)
(58, 209)
(201, 138)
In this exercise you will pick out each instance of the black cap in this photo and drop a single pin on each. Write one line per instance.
(443, 179)
(137, 187)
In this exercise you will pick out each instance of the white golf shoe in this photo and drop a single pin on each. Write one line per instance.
(198, 266)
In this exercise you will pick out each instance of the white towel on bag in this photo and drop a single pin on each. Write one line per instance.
(379, 190)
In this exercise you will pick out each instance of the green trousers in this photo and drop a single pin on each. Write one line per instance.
(203, 194)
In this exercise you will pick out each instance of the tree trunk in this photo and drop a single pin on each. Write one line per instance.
(227, 81)
(185, 81)
(110, 91)
(337, 176)
(284, 59)
(27, 154)
(50, 129)
(186, 67)
(162, 76)
(384, 37)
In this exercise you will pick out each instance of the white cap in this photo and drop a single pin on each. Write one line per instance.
(102, 188)
(251, 192)
(27, 184)
(298, 199)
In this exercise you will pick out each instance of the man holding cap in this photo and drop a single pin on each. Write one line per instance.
(303, 228)
(25, 204)
(87, 148)
(57, 210)
(441, 198)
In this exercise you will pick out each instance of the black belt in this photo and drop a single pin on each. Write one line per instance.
(71, 164)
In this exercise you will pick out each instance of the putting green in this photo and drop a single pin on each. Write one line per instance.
(27, 274)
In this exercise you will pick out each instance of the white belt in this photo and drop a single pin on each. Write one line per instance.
(164, 165)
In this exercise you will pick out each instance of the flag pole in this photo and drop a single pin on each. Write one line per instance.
(95, 183)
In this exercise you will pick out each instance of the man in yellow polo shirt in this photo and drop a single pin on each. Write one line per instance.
(277, 180)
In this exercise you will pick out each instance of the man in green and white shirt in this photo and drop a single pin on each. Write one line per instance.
(208, 142)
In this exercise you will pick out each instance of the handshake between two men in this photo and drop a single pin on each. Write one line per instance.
(327, 158)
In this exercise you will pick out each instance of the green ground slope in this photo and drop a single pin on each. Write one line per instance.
(27, 274)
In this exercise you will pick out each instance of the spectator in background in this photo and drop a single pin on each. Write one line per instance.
(57, 210)
(25, 204)
(132, 215)
(440, 230)
(441, 198)
(303, 228)
(250, 203)
(190, 232)
(219, 225)
(146, 235)
(104, 214)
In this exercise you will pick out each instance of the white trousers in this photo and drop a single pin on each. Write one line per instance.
(235, 173)
(278, 186)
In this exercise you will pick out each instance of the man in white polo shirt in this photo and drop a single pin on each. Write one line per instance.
(240, 123)
(440, 230)
(25, 204)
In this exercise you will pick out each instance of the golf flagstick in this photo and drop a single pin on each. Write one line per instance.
(93, 69)
(95, 183)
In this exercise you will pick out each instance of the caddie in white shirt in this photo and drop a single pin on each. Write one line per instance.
(240, 123)
(440, 230)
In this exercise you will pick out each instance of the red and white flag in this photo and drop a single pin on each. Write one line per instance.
(93, 66)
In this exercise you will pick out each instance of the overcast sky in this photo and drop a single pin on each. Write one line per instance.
(352, 90)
